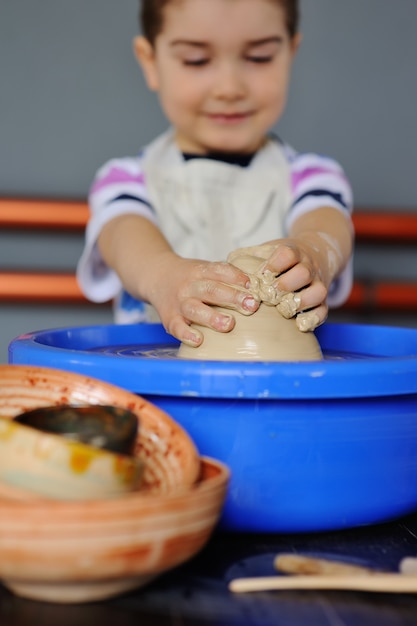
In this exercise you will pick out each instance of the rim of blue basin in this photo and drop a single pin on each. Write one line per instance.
(360, 361)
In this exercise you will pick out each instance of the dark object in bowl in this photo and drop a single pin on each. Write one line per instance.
(109, 427)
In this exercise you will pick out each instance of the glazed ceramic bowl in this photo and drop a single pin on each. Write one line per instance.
(170, 458)
(81, 551)
(54, 466)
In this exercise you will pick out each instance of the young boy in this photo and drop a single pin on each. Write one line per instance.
(163, 223)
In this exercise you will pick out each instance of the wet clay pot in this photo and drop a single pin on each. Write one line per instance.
(263, 336)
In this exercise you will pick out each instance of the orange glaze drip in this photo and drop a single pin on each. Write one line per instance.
(81, 458)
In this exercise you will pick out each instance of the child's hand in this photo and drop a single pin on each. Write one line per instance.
(183, 290)
(302, 267)
(297, 271)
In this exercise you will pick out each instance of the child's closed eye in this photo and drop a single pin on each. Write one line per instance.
(259, 59)
(264, 51)
(195, 62)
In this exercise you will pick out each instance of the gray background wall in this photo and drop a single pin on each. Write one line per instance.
(71, 96)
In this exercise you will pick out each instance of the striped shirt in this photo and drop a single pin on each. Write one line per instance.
(308, 181)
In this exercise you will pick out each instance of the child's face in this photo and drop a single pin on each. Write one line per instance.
(221, 68)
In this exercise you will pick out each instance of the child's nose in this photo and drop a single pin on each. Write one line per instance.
(229, 84)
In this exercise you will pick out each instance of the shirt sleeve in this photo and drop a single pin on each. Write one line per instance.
(118, 188)
(318, 181)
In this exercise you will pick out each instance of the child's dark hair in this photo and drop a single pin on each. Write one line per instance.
(151, 16)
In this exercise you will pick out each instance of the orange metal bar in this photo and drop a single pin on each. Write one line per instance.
(382, 295)
(375, 224)
(357, 297)
(46, 214)
(384, 225)
(39, 287)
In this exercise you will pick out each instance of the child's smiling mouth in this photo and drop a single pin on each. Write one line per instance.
(229, 118)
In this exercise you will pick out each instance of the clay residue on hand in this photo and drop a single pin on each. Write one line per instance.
(262, 280)
(307, 321)
(289, 305)
(263, 289)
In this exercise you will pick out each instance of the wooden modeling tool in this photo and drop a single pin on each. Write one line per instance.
(313, 573)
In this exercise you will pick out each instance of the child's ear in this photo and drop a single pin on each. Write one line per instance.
(295, 44)
(145, 56)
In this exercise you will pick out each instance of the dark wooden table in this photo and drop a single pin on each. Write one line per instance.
(196, 593)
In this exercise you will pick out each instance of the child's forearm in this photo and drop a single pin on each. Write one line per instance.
(330, 233)
(134, 248)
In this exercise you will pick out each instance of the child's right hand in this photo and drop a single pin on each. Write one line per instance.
(182, 290)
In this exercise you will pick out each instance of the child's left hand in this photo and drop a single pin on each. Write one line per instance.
(304, 265)
(302, 280)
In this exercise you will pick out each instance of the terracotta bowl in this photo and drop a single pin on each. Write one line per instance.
(82, 551)
(171, 459)
(72, 552)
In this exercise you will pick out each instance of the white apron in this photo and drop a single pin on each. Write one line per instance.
(207, 208)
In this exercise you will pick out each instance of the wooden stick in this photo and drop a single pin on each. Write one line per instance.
(299, 564)
(382, 583)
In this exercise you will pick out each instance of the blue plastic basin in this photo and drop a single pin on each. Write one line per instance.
(311, 446)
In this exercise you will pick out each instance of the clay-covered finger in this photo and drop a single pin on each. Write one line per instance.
(207, 316)
(294, 279)
(312, 296)
(289, 305)
(185, 333)
(310, 320)
(226, 296)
